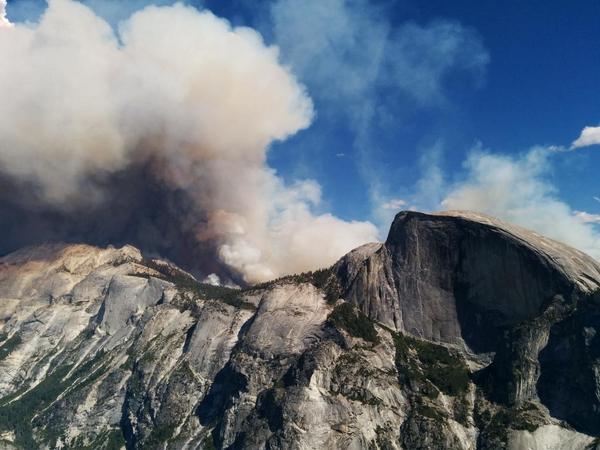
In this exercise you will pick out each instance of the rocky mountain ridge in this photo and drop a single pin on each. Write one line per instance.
(460, 331)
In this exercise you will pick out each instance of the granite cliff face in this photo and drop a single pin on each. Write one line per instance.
(458, 332)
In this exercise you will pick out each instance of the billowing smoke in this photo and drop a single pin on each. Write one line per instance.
(158, 134)
(3, 20)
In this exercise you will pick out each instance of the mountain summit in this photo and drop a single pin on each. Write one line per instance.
(459, 332)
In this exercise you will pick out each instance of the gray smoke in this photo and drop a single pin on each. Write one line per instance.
(157, 135)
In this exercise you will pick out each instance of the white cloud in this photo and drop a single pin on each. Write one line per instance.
(202, 100)
(351, 56)
(589, 136)
(394, 204)
(385, 209)
(586, 217)
(368, 73)
(517, 189)
(349, 49)
(3, 20)
(424, 195)
(429, 189)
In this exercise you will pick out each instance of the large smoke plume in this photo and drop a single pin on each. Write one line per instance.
(157, 135)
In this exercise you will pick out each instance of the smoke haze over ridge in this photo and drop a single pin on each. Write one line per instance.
(157, 130)
(157, 135)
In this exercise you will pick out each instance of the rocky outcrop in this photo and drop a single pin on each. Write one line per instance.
(458, 332)
(454, 277)
(497, 291)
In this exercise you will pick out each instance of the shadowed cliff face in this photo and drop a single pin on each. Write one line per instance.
(462, 279)
(459, 332)
(492, 289)
(570, 369)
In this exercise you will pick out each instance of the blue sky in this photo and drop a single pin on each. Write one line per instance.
(539, 88)
(416, 100)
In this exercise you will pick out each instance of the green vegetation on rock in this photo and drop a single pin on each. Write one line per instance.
(108, 440)
(430, 412)
(159, 435)
(208, 443)
(186, 282)
(9, 345)
(348, 318)
(323, 279)
(495, 421)
(17, 413)
(418, 360)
